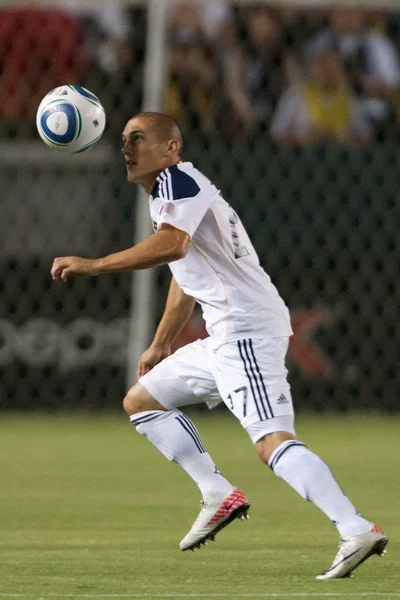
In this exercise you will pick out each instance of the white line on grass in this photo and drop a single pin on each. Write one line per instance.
(293, 595)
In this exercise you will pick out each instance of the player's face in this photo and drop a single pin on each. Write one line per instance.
(144, 153)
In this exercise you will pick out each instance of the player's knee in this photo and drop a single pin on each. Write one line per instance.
(139, 400)
(267, 445)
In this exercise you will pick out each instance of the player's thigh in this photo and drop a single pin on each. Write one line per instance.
(252, 380)
(186, 377)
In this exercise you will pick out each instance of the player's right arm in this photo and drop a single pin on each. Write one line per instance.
(178, 309)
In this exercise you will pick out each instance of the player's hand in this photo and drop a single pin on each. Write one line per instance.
(151, 357)
(65, 267)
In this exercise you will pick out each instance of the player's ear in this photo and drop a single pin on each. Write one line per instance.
(173, 147)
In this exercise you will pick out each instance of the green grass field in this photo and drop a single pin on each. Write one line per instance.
(89, 508)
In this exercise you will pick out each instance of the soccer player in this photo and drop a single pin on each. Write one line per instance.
(241, 363)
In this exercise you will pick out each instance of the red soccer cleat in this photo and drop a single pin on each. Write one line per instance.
(213, 517)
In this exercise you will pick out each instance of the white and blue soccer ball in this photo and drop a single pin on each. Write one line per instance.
(70, 119)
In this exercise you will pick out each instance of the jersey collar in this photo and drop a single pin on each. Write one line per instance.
(159, 180)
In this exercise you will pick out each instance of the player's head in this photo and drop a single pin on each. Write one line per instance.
(151, 142)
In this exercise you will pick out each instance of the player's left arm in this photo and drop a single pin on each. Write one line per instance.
(166, 245)
(178, 310)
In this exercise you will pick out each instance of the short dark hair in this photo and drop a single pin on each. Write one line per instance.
(166, 126)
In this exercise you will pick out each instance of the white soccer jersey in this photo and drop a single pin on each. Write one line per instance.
(221, 270)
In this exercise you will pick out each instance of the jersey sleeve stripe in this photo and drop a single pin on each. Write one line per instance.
(170, 190)
(163, 187)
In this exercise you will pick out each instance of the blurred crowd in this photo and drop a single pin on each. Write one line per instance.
(298, 76)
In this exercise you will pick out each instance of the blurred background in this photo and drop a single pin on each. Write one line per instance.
(293, 109)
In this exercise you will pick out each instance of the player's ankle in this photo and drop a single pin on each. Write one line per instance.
(219, 493)
(356, 526)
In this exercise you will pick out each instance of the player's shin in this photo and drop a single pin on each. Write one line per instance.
(312, 478)
(175, 435)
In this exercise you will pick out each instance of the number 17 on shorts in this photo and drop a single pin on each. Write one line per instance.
(252, 379)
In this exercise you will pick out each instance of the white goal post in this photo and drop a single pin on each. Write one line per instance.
(143, 287)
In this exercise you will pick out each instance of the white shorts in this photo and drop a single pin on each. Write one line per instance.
(248, 375)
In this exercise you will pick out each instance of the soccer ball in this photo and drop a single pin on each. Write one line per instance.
(70, 119)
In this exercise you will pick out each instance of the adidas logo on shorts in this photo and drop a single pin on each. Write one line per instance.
(282, 399)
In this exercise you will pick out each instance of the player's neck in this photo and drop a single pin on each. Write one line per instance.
(147, 184)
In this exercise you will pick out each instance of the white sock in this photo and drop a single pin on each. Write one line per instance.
(311, 477)
(174, 434)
